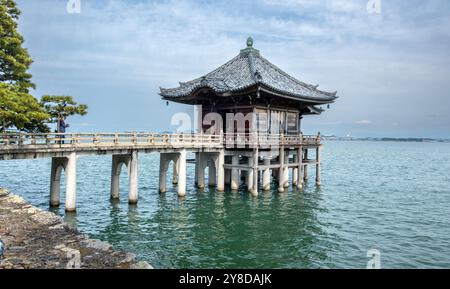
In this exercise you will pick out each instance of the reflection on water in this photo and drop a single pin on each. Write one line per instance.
(371, 197)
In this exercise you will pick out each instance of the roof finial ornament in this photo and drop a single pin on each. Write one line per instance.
(249, 42)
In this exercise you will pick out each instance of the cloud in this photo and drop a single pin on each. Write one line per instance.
(364, 121)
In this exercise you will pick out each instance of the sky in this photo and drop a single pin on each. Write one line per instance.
(391, 69)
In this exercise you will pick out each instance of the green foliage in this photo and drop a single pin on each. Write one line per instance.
(62, 107)
(20, 110)
(14, 59)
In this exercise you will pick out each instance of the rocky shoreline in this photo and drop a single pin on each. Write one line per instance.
(32, 238)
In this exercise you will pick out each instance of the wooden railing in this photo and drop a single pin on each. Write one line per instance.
(34, 140)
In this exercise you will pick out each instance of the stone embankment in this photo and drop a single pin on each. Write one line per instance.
(32, 238)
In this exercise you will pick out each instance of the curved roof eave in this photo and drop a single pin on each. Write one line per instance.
(268, 89)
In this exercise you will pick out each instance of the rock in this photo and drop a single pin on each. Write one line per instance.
(3, 192)
(46, 218)
(57, 227)
(129, 257)
(15, 200)
(141, 265)
(97, 244)
(59, 247)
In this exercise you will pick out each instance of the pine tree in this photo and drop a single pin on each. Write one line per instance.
(14, 58)
(18, 109)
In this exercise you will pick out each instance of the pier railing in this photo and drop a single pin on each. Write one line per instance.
(157, 140)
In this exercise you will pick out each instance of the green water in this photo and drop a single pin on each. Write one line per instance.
(394, 197)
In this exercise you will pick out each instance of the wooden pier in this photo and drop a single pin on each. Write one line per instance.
(228, 157)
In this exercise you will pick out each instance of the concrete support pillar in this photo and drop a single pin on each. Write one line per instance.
(254, 190)
(318, 166)
(235, 180)
(299, 168)
(281, 171)
(163, 163)
(133, 178)
(201, 171)
(286, 170)
(294, 177)
(295, 171)
(249, 176)
(181, 173)
(176, 165)
(266, 175)
(305, 167)
(211, 174)
(220, 171)
(196, 169)
(71, 182)
(116, 167)
(58, 165)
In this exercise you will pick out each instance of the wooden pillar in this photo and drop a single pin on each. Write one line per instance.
(133, 178)
(71, 182)
(235, 180)
(220, 161)
(266, 175)
(181, 190)
(318, 166)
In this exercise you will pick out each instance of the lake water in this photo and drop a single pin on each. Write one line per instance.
(393, 197)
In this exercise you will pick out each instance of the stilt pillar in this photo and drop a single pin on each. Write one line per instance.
(295, 172)
(201, 171)
(181, 190)
(211, 174)
(116, 167)
(176, 165)
(281, 171)
(220, 171)
(58, 164)
(71, 182)
(286, 170)
(305, 167)
(318, 166)
(266, 175)
(235, 173)
(249, 176)
(162, 172)
(254, 190)
(196, 169)
(133, 178)
(300, 168)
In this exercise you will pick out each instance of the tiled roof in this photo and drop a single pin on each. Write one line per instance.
(247, 69)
